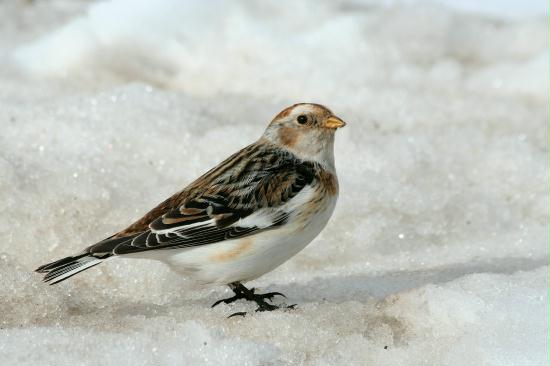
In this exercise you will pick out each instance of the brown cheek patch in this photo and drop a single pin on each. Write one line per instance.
(288, 136)
(329, 182)
(243, 247)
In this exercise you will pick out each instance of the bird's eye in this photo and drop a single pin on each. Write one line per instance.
(302, 118)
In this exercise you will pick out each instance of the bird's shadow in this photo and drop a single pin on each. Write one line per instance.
(364, 287)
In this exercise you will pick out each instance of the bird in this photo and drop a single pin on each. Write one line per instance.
(241, 219)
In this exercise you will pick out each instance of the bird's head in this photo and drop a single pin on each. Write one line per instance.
(307, 130)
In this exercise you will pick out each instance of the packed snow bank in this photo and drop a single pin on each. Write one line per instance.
(494, 319)
(437, 252)
(292, 51)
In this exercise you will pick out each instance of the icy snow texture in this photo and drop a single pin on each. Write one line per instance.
(437, 253)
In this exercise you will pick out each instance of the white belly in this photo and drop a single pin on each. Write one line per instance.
(249, 257)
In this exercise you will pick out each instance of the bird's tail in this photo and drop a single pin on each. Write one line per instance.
(67, 267)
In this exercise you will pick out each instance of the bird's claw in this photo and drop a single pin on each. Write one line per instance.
(269, 296)
(239, 313)
(229, 300)
(266, 307)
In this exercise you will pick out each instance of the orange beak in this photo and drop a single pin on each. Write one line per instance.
(334, 122)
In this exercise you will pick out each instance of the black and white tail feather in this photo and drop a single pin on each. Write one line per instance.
(67, 267)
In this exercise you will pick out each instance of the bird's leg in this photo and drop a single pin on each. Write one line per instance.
(241, 292)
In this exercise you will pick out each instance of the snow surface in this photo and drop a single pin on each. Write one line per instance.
(437, 253)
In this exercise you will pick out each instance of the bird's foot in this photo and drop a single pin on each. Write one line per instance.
(241, 292)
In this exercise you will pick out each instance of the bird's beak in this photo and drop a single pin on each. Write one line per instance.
(334, 122)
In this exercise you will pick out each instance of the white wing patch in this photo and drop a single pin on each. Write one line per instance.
(266, 217)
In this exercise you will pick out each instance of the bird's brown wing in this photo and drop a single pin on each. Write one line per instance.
(247, 193)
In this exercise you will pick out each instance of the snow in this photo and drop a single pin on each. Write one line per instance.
(437, 253)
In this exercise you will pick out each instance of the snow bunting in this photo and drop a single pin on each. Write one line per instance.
(242, 218)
